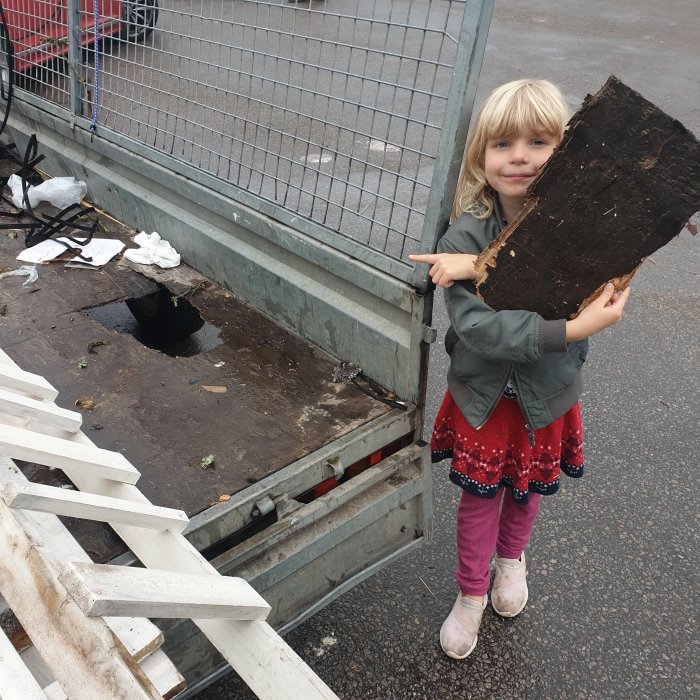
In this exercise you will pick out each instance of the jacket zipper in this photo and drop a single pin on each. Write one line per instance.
(530, 435)
(498, 398)
(528, 427)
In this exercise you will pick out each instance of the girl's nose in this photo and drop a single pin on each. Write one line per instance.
(519, 153)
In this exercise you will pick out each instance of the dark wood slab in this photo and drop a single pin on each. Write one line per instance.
(623, 183)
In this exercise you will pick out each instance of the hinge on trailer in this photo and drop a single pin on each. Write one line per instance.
(283, 504)
(262, 507)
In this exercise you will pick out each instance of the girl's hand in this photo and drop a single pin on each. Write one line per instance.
(448, 267)
(604, 311)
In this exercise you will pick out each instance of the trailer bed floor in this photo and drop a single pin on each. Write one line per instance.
(260, 400)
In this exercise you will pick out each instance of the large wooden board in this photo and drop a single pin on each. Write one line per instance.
(624, 181)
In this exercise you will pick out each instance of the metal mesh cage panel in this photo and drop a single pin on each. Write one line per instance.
(331, 110)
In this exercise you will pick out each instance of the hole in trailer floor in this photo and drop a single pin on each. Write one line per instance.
(160, 322)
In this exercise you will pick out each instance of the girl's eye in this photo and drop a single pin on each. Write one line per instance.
(539, 142)
(501, 144)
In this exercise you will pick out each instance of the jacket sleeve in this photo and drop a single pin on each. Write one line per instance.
(515, 335)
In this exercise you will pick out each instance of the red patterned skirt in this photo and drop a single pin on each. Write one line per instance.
(499, 453)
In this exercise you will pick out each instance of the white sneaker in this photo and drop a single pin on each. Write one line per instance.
(509, 591)
(460, 631)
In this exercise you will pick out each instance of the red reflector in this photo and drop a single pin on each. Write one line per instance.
(324, 487)
(375, 457)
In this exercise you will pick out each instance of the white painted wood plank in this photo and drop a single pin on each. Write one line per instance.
(37, 411)
(157, 671)
(139, 636)
(269, 666)
(163, 674)
(54, 692)
(16, 379)
(102, 589)
(16, 680)
(33, 446)
(33, 661)
(79, 504)
(161, 671)
(80, 651)
(157, 666)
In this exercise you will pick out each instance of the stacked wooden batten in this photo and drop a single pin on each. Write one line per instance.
(87, 630)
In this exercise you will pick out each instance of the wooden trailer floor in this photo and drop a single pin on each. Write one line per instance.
(258, 401)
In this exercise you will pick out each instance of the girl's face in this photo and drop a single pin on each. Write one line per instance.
(511, 163)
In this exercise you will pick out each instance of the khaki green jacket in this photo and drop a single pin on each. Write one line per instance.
(486, 347)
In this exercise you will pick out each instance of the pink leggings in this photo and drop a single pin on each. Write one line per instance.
(485, 524)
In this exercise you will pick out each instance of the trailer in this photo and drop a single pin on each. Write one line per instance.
(271, 386)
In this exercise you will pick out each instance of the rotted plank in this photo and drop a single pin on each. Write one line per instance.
(280, 403)
(623, 183)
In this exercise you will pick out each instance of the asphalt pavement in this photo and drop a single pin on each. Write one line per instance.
(614, 557)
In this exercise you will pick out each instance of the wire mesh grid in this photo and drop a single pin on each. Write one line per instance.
(331, 110)
(38, 30)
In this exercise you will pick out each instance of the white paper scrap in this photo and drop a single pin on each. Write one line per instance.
(41, 252)
(101, 250)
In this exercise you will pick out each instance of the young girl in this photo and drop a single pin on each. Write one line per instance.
(510, 419)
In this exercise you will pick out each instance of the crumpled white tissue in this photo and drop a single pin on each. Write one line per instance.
(59, 191)
(153, 251)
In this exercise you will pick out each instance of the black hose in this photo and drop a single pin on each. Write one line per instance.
(6, 94)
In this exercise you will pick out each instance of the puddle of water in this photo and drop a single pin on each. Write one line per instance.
(165, 338)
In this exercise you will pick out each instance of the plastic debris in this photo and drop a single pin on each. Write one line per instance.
(61, 192)
(29, 270)
(153, 251)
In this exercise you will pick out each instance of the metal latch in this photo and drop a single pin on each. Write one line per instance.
(335, 464)
(429, 334)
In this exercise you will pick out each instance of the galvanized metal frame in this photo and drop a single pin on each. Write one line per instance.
(214, 524)
(460, 102)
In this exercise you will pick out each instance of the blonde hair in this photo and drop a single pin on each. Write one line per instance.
(521, 106)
